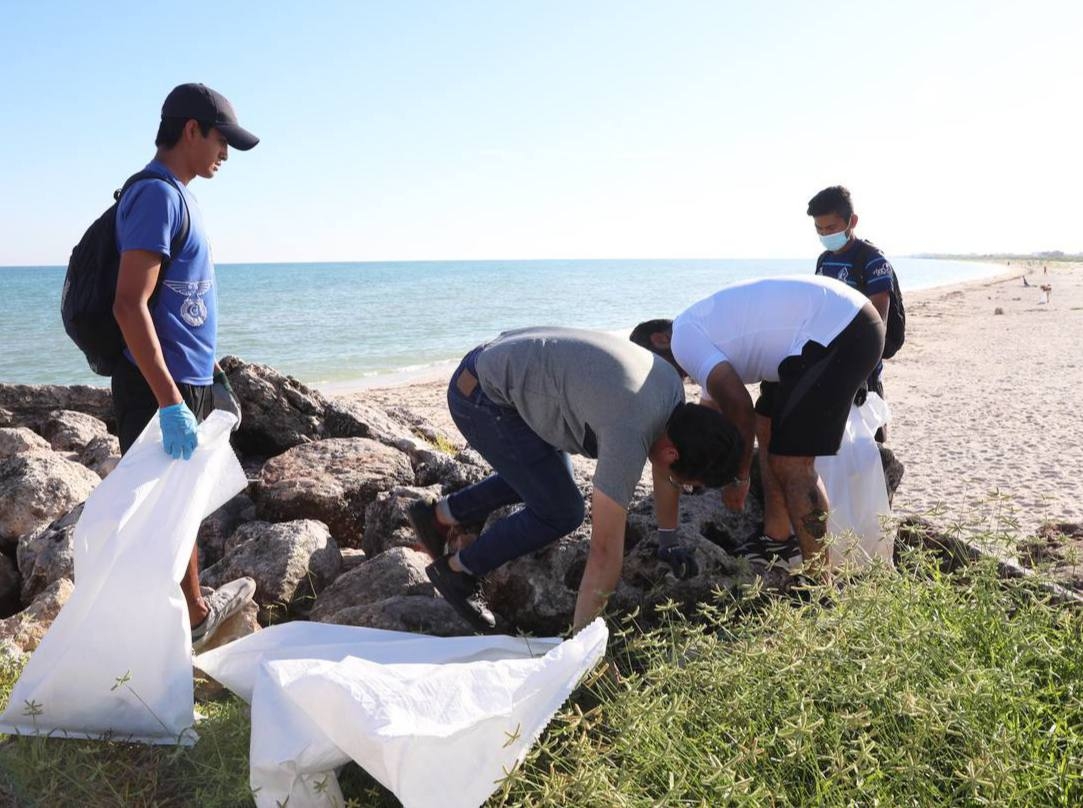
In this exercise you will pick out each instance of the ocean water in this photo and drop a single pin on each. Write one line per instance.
(335, 324)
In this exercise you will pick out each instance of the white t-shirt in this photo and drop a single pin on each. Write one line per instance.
(756, 324)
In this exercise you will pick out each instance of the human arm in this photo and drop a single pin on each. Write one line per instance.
(882, 302)
(136, 281)
(727, 390)
(604, 559)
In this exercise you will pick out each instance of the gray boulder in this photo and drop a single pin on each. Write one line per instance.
(47, 555)
(277, 411)
(38, 487)
(216, 530)
(101, 455)
(71, 431)
(332, 480)
(23, 631)
(386, 525)
(32, 404)
(354, 418)
(9, 587)
(399, 571)
(291, 563)
(14, 440)
(415, 613)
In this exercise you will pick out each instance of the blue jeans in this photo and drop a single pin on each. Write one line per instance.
(528, 470)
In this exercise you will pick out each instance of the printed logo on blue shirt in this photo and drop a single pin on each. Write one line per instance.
(192, 309)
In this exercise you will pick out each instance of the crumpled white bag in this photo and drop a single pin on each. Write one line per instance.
(116, 662)
(437, 720)
(857, 491)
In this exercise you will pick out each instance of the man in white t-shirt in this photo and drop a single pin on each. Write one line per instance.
(816, 337)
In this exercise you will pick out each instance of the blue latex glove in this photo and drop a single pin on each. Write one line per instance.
(179, 436)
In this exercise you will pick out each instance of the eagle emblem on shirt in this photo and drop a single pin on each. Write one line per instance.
(192, 310)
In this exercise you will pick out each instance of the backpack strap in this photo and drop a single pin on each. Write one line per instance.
(175, 243)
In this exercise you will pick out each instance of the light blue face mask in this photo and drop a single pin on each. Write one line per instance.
(835, 241)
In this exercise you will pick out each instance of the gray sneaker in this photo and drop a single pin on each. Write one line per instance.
(223, 602)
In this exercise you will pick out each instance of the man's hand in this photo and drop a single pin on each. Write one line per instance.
(681, 560)
(225, 398)
(734, 495)
(179, 435)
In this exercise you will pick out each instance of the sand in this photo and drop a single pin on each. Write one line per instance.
(982, 403)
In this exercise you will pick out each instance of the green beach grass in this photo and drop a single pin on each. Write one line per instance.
(921, 688)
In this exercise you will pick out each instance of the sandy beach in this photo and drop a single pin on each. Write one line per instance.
(982, 402)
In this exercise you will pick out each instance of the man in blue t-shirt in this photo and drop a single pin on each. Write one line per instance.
(166, 305)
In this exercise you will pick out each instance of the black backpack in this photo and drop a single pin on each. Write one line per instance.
(90, 286)
(896, 316)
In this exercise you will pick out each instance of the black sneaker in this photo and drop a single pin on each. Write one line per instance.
(422, 516)
(462, 591)
(767, 551)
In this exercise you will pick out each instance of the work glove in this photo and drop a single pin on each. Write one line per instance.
(225, 398)
(681, 560)
(179, 435)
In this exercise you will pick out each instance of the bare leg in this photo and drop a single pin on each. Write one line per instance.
(776, 518)
(806, 501)
(197, 607)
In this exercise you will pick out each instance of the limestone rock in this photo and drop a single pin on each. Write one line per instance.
(291, 563)
(277, 411)
(352, 557)
(25, 629)
(386, 524)
(32, 404)
(349, 417)
(332, 480)
(416, 613)
(71, 431)
(217, 528)
(36, 488)
(399, 571)
(47, 555)
(9, 587)
(14, 440)
(101, 455)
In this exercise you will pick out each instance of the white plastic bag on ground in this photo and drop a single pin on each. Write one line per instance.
(437, 720)
(857, 492)
(117, 659)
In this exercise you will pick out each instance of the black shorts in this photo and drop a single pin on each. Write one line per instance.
(134, 403)
(809, 404)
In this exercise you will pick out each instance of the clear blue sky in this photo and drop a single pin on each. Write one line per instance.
(443, 130)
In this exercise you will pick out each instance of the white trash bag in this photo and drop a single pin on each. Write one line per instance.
(116, 662)
(437, 720)
(857, 491)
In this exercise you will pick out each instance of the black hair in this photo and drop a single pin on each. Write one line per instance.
(641, 334)
(170, 130)
(835, 199)
(708, 445)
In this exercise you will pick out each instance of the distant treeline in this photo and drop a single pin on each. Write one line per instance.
(1051, 255)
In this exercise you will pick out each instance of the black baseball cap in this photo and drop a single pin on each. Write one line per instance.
(208, 106)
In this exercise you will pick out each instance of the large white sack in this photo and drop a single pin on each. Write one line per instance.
(437, 720)
(117, 659)
(857, 491)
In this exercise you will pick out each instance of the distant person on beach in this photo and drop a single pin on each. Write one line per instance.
(817, 340)
(855, 262)
(167, 306)
(527, 400)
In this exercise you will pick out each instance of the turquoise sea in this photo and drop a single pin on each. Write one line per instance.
(350, 322)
